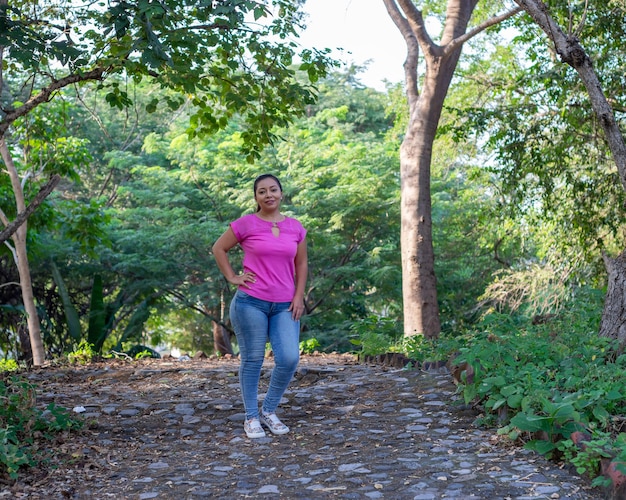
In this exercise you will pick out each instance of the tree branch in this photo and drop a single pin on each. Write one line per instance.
(480, 28)
(45, 190)
(46, 94)
(573, 54)
(412, 44)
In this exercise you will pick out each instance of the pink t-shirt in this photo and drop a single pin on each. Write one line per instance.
(270, 258)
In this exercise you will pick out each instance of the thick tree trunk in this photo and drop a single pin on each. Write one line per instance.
(613, 324)
(21, 259)
(419, 284)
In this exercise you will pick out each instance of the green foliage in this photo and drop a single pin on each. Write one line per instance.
(376, 335)
(309, 346)
(136, 351)
(83, 354)
(555, 422)
(97, 330)
(8, 365)
(423, 349)
(21, 424)
(71, 315)
(541, 382)
(12, 456)
(243, 66)
(547, 157)
(586, 456)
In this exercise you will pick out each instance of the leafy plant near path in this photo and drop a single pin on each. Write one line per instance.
(23, 425)
(376, 335)
(540, 384)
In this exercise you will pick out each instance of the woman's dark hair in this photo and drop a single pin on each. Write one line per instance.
(259, 179)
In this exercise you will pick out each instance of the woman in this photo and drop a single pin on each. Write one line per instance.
(269, 301)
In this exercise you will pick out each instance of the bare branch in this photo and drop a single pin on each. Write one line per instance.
(418, 26)
(449, 48)
(412, 44)
(581, 25)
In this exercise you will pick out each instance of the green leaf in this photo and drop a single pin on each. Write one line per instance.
(71, 315)
(542, 447)
(532, 423)
(515, 401)
(97, 316)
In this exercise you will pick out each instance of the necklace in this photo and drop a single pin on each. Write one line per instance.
(273, 222)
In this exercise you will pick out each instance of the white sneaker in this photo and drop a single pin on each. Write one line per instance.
(253, 428)
(273, 423)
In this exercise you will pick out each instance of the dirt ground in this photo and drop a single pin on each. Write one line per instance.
(139, 415)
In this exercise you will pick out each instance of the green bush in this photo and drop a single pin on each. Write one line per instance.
(309, 346)
(376, 335)
(8, 365)
(539, 383)
(22, 425)
(83, 354)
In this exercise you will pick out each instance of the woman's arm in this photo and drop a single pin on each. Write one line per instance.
(220, 251)
(302, 270)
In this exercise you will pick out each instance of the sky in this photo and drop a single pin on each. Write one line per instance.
(364, 30)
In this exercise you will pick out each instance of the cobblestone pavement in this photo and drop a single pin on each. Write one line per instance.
(174, 430)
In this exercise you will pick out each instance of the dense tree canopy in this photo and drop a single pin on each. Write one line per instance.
(227, 58)
(129, 228)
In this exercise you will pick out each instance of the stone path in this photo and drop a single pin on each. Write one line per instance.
(173, 430)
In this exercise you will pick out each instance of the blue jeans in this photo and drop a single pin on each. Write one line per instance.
(255, 321)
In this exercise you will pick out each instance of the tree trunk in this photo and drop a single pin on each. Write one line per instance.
(221, 340)
(613, 324)
(21, 259)
(221, 336)
(32, 317)
(419, 284)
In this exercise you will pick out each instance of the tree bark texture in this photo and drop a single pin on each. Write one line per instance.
(21, 257)
(221, 340)
(221, 336)
(613, 324)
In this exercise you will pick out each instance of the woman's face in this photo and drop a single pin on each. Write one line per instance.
(268, 194)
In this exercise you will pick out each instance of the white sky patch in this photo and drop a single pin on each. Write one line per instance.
(364, 30)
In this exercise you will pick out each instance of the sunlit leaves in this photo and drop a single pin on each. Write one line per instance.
(227, 55)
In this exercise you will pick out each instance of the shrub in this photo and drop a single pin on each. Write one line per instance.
(540, 383)
(8, 365)
(376, 335)
(83, 354)
(22, 424)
